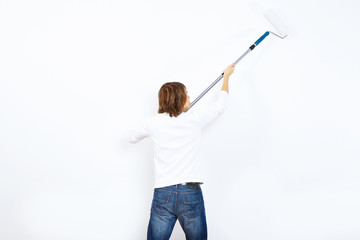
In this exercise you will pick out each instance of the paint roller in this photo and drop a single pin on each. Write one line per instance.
(282, 32)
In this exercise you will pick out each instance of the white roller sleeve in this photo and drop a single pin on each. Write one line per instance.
(275, 20)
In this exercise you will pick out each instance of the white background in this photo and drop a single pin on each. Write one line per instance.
(281, 163)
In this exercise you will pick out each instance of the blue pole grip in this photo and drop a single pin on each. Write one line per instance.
(261, 38)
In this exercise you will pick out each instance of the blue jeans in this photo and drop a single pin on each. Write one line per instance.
(182, 202)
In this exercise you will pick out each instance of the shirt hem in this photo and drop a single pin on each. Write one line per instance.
(177, 182)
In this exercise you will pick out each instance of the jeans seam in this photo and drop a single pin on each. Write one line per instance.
(162, 190)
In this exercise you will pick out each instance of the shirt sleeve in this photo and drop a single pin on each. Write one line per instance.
(209, 113)
(139, 131)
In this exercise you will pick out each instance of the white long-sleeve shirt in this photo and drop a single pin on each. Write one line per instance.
(177, 140)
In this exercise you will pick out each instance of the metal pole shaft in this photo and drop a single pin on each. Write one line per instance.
(217, 80)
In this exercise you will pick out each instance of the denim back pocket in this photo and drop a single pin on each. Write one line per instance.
(160, 202)
(192, 204)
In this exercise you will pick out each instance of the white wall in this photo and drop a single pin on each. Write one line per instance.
(282, 163)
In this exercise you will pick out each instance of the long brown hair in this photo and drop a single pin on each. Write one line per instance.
(172, 98)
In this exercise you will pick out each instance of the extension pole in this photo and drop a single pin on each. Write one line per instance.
(222, 74)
